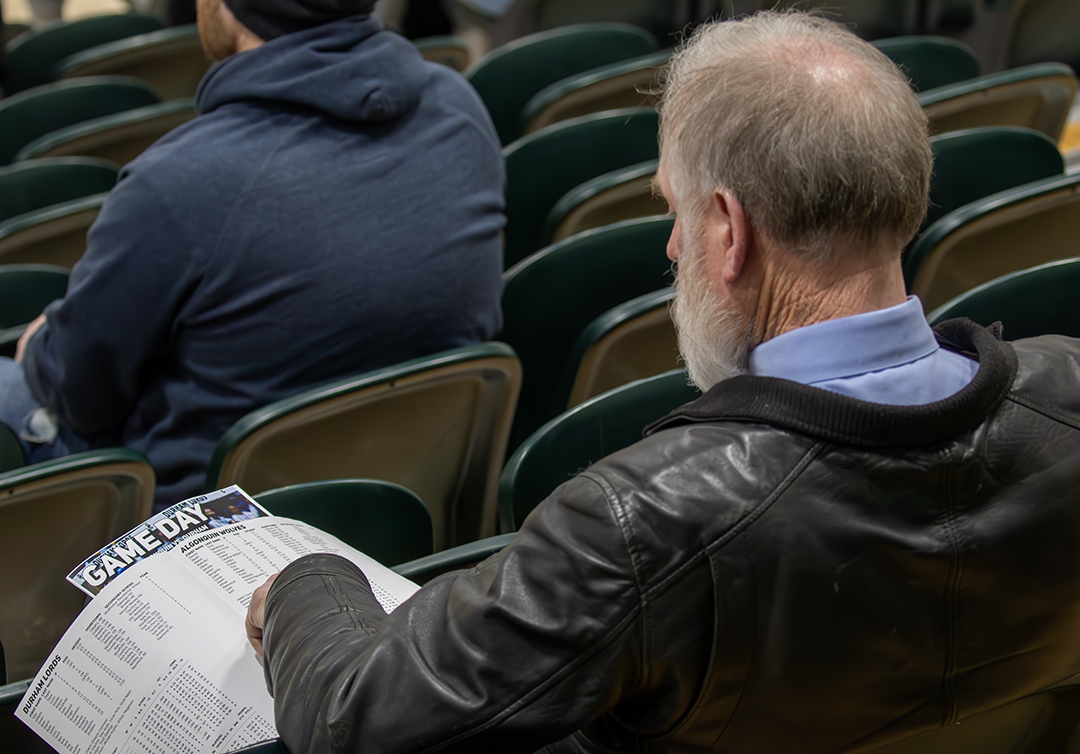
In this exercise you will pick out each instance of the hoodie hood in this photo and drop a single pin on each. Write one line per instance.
(352, 70)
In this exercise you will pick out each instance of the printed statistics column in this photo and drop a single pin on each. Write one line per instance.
(158, 661)
(154, 667)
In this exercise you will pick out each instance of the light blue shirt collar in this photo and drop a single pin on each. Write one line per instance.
(847, 347)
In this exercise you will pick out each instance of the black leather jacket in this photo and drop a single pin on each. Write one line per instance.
(775, 568)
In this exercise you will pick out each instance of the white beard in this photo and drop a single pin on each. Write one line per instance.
(715, 338)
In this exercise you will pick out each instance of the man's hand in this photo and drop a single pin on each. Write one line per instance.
(254, 621)
(33, 327)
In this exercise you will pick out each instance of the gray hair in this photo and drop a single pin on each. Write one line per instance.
(816, 132)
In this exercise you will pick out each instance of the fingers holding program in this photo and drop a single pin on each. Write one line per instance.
(253, 623)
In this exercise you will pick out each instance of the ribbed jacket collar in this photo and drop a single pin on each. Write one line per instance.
(836, 417)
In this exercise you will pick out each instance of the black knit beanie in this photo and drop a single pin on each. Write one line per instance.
(273, 18)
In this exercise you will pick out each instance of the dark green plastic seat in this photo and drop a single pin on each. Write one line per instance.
(628, 342)
(450, 51)
(53, 235)
(610, 198)
(507, 77)
(119, 138)
(972, 164)
(33, 58)
(1043, 31)
(11, 694)
(36, 184)
(11, 457)
(436, 425)
(31, 114)
(1038, 301)
(571, 442)
(931, 62)
(610, 87)
(382, 520)
(467, 555)
(1033, 96)
(54, 515)
(1006, 232)
(544, 166)
(977, 162)
(170, 60)
(25, 291)
(549, 298)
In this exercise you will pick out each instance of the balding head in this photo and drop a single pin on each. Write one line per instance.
(816, 132)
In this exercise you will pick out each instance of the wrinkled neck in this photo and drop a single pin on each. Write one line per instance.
(795, 293)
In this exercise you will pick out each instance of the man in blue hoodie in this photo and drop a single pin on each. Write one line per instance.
(334, 208)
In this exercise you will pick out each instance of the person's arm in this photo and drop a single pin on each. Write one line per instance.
(521, 651)
(87, 360)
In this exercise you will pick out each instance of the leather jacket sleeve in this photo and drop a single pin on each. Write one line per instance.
(518, 652)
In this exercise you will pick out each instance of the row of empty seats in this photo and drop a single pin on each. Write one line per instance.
(605, 164)
(526, 85)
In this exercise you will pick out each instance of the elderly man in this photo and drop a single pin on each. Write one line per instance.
(335, 207)
(862, 533)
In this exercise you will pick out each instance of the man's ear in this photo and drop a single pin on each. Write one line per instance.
(735, 235)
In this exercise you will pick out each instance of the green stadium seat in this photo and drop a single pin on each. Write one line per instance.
(1034, 96)
(571, 442)
(611, 87)
(467, 555)
(382, 520)
(33, 58)
(53, 235)
(972, 164)
(119, 138)
(508, 76)
(437, 425)
(549, 298)
(54, 515)
(542, 167)
(622, 194)
(11, 457)
(44, 109)
(931, 62)
(15, 735)
(1012, 230)
(25, 291)
(1037, 301)
(36, 184)
(170, 60)
(629, 342)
